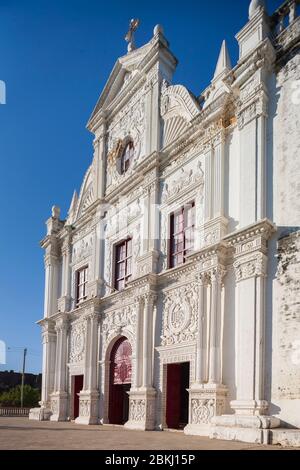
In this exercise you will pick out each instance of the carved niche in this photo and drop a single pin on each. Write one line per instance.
(180, 315)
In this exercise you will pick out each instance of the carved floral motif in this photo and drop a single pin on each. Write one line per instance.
(128, 122)
(202, 411)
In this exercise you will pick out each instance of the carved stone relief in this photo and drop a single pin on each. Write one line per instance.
(122, 321)
(202, 411)
(130, 122)
(77, 342)
(180, 315)
(182, 182)
(83, 249)
(137, 410)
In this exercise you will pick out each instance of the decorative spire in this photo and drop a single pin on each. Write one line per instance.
(133, 26)
(254, 5)
(73, 203)
(224, 62)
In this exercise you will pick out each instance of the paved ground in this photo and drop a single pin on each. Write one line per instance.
(20, 433)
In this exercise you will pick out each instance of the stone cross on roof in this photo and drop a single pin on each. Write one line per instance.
(133, 26)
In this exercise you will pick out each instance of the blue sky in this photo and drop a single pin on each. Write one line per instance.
(55, 57)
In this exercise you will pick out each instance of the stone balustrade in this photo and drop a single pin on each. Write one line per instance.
(14, 412)
(284, 16)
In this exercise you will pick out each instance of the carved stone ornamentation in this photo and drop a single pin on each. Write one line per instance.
(88, 408)
(120, 322)
(137, 410)
(202, 411)
(58, 406)
(129, 122)
(182, 182)
(141, 410)
(254, 265)
(77, 343)
(252, 111)
(83, 249)
(177, 108)
(206, 402)
(180, 315)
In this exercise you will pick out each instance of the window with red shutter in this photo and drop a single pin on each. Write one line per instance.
(127, 157)
(81, 284)
(182, 234)
(123, 264)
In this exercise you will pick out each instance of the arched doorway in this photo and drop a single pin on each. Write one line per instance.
(120, 381)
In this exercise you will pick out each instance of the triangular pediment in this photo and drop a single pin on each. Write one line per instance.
(125, 69)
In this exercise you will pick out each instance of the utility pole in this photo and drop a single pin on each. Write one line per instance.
(23, 377)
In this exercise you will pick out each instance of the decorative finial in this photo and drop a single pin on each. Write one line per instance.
(133, 26)
(55, 212)
(158, 30)
(254, 5)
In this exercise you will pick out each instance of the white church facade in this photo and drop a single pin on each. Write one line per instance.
(172, 295)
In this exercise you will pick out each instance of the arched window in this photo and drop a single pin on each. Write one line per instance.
(127, 157)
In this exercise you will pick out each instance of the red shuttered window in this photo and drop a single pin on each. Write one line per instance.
(182, 234)
(127, 157)
(123, 266)
(81, 284)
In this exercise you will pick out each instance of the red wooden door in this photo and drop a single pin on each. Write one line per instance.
(173, 395)
(78, 386)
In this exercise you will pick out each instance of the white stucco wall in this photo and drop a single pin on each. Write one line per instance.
(285, 279)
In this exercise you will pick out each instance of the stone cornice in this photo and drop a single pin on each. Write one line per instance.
(136, 288)
(264, 54)
(264, 228)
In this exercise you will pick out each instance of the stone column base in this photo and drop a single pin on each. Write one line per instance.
(206, 401)
(141, 410)
(40, 414)
(59, 406)
(88, 408)
(251, 429)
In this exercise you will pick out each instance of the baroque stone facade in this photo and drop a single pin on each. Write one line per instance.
(209, 342)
